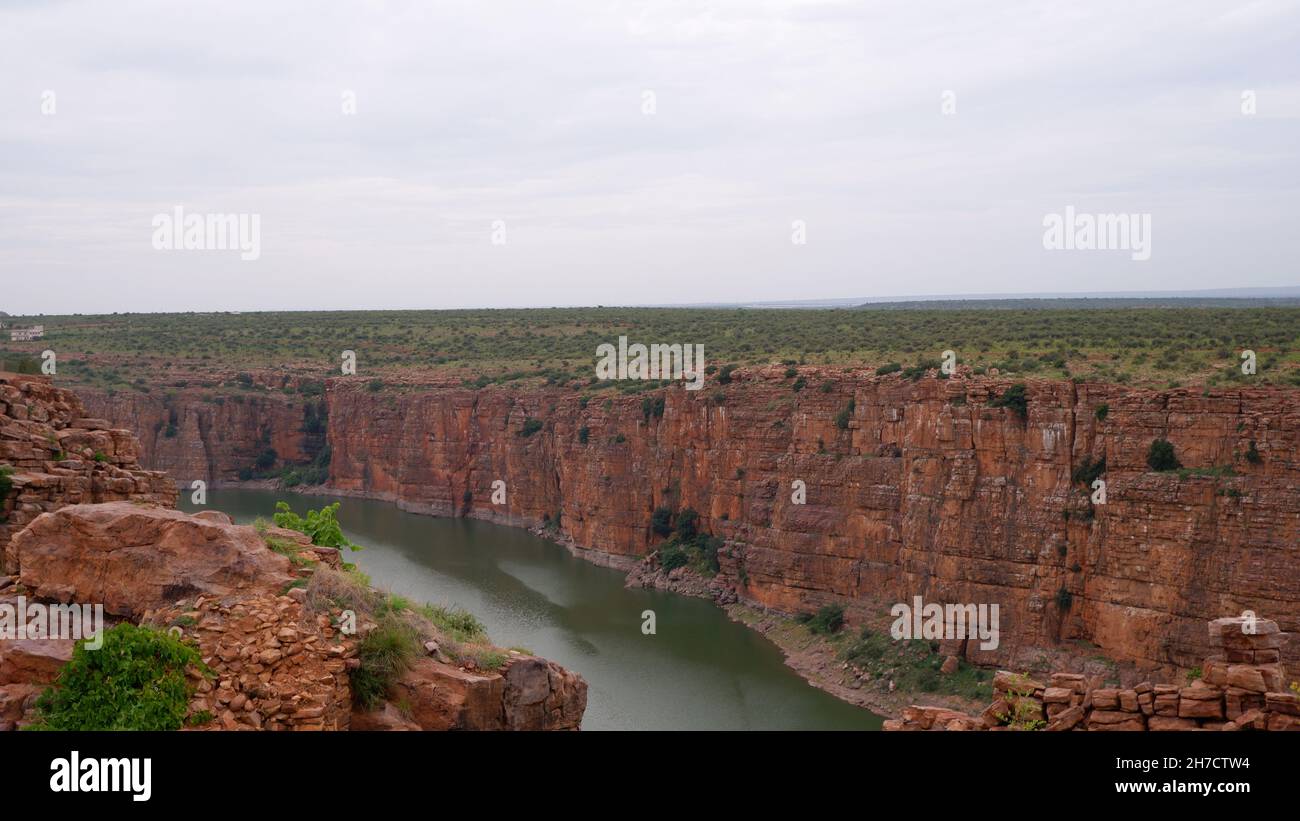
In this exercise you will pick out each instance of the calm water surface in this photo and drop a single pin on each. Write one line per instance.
(700, 671)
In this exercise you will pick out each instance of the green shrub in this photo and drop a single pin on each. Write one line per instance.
(724, 375)
(1252, 456)
(1160, 456)
(1064, 598)
(846, 413)
(652, 407)
(661, 521)
(827, 621)
(892, 367)
(672, 556)
(1088, 470)
(687, 524)
(135, 681)
(1014, 398)
(457, 622)
(385, 653)
(584, 433)
(530, 427)
(321, 525)
(1101, 412)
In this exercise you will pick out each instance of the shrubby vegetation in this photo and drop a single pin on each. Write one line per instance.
(321, 526)
(827, 621)
(1014, 398)
(914, 666)
(686, 545)
(1160, 456)
(135, 681)
(402, 628)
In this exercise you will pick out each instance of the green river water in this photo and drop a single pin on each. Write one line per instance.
(699, 671)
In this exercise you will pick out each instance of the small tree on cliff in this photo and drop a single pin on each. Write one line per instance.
(1161, 456)
(1014, 398)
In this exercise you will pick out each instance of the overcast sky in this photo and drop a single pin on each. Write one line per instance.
(534, 114)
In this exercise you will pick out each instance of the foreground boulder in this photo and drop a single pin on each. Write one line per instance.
(133, 558)
(59, 456)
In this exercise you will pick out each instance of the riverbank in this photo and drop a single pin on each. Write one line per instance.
(700, 669)
(814, 658)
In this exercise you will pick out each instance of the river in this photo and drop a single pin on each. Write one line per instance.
(699, 671)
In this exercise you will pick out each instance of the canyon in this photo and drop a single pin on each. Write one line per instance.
(914, 487)
(81, 522)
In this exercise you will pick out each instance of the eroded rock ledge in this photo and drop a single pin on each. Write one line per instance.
(1243, 688)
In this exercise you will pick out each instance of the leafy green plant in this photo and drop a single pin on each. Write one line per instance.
(135, 681)
(321, 525)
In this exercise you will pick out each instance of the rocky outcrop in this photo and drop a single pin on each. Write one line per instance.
(924, 487)
(1234, 694)
(56, 455)
(527, 693)
(134, 558)
(276, 663)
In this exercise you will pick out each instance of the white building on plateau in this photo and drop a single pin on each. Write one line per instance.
(27, 334)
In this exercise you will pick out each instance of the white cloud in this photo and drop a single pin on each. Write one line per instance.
(767, 112)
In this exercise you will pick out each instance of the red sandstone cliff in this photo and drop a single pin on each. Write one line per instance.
(58, 455)
(929, 490)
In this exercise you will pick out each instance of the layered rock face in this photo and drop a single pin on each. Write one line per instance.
(60, 456)
(918, 488)
(190, 437)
